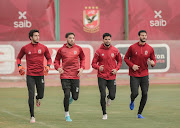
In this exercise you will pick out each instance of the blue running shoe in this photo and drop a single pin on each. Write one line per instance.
(140, 116)
(70, 99)
(68, 119)
(131, 105)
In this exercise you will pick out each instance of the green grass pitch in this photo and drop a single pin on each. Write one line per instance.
(161, 111)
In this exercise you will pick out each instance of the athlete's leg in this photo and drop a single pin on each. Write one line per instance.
(134, 85)
(66, 88)
(31, 90)
(39, 80)
(39, 86)
(102, 88)
(111, 85)
(144, 88)
(75, 88)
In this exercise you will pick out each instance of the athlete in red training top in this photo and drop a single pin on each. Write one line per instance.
(73, 62)
(136, 58)
(107, 60)
(35, 53)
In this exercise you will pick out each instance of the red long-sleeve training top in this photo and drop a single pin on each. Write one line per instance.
(110, 58)
(35, 54)
(72, 59)
(139, 54)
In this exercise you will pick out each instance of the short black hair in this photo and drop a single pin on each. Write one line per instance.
(69, 33)
(141, 31)
(31, 32)
(106, 34)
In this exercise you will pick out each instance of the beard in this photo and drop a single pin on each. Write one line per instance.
(35, 41)
(142, 40)
(107, 45)
(70, 44)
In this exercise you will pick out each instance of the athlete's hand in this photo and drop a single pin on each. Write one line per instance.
(151, 62)
(101, 68)
(80, 72)
(114, 71)
(21, 70)
(61, 71)
(135, 67)
(46, 70)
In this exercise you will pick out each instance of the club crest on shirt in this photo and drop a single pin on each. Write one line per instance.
(29, 52)
(146, 52)
(112, 54)
(136, 52)
(75, 52)
(39, 51)
(103, 54)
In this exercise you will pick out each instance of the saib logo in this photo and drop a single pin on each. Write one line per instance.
(22, 24)
(158, 22)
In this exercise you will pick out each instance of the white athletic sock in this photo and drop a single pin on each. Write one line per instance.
(67, 114)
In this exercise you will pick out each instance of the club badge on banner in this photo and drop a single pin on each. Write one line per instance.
(91, 19)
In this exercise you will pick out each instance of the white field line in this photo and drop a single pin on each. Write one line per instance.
(21, 117)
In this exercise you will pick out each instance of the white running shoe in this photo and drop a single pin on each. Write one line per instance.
(32, 120)
(104, 117)
(108, 102)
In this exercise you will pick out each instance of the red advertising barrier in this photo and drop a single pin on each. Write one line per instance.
(160, 18)
(18, 17)
(90, 19)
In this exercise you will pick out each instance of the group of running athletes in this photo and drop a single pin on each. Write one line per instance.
(107, 61)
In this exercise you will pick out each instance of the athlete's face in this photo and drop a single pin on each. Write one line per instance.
(70, 40)
(107, 41)
(143, 37)
(35, 38)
